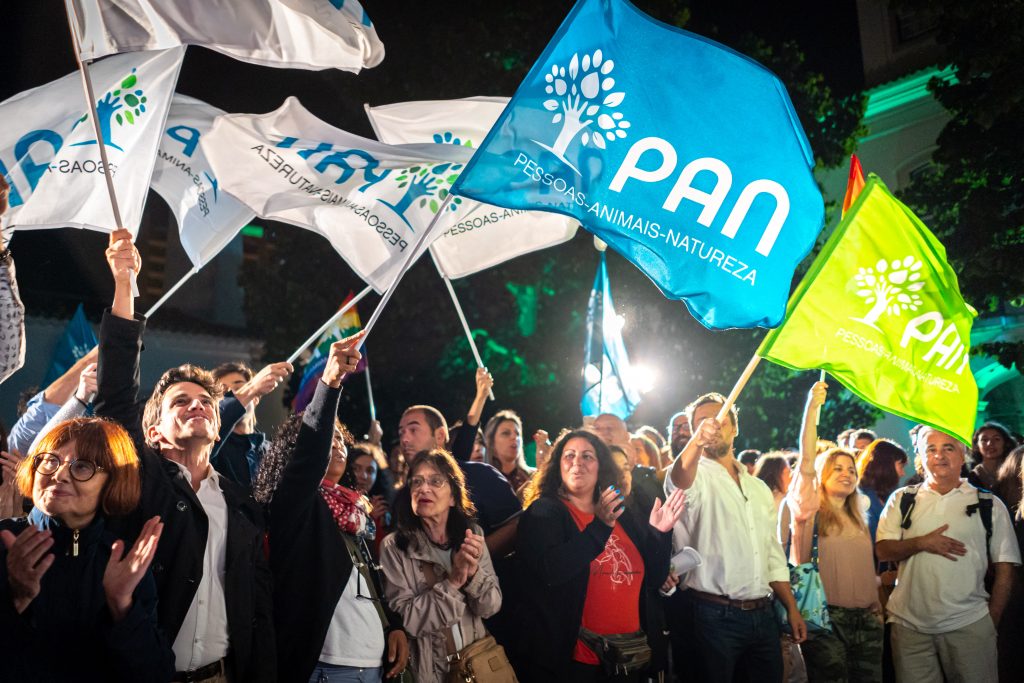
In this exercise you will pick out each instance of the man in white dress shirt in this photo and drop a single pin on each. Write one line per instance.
(943, 620)
(729, 519)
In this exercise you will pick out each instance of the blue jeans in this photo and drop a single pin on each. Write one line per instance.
(728, 641)
(329, 673)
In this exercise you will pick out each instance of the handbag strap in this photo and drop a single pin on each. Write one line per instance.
(360, 563)
(449, 638)
(814, 543)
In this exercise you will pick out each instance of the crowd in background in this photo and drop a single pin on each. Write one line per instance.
(165, 537)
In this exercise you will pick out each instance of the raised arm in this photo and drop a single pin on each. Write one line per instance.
(306, 469)
(684, 469)
(120, 346)
(462, 447)
(809, 431)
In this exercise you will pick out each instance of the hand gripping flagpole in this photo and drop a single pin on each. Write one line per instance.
(462, 318)
(817, 414)
(414, 252)
(167, 295)
(90, 98)
(330, 321)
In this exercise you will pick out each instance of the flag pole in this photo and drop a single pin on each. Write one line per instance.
(413, 253)
(167, 295)
(90, 98)
(369, 387)
(740, 383)
(462, 318)
(330, 321)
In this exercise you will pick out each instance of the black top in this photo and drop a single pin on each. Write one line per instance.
(308, 555)
(67, 632)
(495, 501)
(554, 558)
(237, 456)
(166, 491)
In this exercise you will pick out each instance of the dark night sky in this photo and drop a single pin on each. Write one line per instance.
(429, 55)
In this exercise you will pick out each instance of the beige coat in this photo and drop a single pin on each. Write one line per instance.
(429, 612)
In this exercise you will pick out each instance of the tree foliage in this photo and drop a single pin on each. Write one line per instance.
(973, 198)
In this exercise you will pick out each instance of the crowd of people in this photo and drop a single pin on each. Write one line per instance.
(172, 540)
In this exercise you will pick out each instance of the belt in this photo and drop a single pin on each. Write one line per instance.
(744, 605)
(200, 674)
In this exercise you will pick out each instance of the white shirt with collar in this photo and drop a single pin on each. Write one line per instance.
(203, 637)
(934, 594)
(733, 528)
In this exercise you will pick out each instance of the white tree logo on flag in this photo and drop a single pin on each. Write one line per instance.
(582, 95)
(890, 287)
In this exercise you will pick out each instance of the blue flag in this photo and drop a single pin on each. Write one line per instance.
(77, 340)
(684, 156)
(610, 386)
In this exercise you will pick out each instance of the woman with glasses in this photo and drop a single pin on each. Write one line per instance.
(438, 572)
(73, 605)
(329, 620)
(593, 562)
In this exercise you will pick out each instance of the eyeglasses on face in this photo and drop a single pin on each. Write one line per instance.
(80, 470)
(435, 481)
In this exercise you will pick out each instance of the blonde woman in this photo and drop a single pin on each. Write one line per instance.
(823, 510)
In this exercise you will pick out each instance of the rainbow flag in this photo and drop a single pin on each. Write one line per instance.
(855, 184)
(346, 326)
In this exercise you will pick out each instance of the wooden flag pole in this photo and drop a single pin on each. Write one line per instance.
(90, 98)
(330, 321)
(167, 295)
(740, 383)
(462, 318)
(414, 252)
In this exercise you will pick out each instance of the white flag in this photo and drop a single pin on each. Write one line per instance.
(207, 217)
(476, 236)
(50, 156)
(296, 34)
(369, 199)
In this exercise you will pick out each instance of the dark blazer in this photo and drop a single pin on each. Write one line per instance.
(178, 565)
(554, 558)
(67, 632)
(310, 561)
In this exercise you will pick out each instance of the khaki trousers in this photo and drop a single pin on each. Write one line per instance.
(966, 655)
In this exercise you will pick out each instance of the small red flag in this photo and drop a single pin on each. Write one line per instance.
(855, 184)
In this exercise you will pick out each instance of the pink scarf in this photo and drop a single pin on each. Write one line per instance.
(350, 510)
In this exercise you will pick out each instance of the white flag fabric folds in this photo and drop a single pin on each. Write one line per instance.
(476, 236)
(50, 156)
(371, 200)
(207, 217)
(298, 34)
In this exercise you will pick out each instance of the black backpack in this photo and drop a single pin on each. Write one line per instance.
(983, 507)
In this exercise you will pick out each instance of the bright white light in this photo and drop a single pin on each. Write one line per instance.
(644, 377)
(615, 324)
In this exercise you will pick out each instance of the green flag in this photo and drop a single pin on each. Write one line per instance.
(881, 311)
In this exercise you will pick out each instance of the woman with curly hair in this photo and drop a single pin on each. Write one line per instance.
(439, 573)
(591, 561)
(328, 618)
(991, 444)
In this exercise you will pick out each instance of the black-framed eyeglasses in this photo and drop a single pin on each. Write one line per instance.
(80, 470)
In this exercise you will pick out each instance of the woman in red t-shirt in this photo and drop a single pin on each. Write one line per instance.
(586, 560)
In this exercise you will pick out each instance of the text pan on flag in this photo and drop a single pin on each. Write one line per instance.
(207, 217)
(880, 310)
(49, 153)
(298, 34)
(684, 156)
(476, 236)
(608, 383)
(371, 200)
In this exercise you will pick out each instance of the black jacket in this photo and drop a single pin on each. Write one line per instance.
(310, 561)
(178, 565)
(67, 632)
(554, 558)
(237, 456)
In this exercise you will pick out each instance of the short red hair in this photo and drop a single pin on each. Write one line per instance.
(102, 442)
